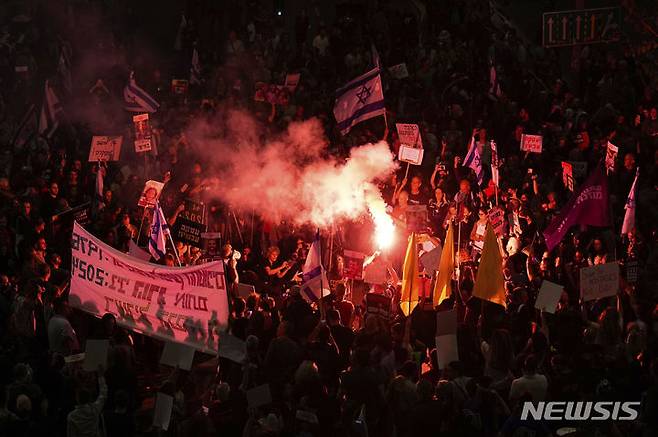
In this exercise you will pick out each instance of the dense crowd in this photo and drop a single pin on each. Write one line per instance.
(350, 373)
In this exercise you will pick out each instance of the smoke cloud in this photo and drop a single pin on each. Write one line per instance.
(290, 176)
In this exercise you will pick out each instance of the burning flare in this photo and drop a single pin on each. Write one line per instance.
(384, 227)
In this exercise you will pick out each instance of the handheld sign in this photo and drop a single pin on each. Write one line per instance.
(179, 86)
(292, 80)
(599, 281)
(353, 261)
(567, 175)
(409, 134)
(579, 168)
(531, 143)
(496, 217)
(150, 194)
(412, 155)
(95, 354)
(177, 354)
(399, 71)
(142, 133)
(191, 223)
(610, 157)
(164, 404)
(548, 297)
(105, 148)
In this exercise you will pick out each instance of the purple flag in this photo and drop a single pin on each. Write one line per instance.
(587, 206)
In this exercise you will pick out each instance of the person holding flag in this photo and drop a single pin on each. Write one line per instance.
(157, 243)
(315, 285)
(629, 216)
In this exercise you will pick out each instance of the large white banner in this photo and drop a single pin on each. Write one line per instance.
(184, 304)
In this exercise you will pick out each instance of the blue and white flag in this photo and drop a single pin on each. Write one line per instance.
(136, 99)
(195, 69)
(629, 216)
(359, 100)
(314, 275)
(51, 111)
(158, 234)
(473, 160)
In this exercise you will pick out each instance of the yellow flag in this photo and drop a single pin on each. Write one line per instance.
(443, 285)
(490, 284)
(410, 279)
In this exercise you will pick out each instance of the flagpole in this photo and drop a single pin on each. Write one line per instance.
(321, 304)
(141, 224)
(175, 250)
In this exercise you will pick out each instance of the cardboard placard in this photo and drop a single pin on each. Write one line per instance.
(353, 264)
(409, 134)
(631, 269)
(378, 305)
(399, 71)
(548, 297)
(496, 217)
(211, 243)
(105, 148)
(599, 281)
(531, 143)
(412, 155)
(150, 194)
(95, 354)
(142, 133)
(177, 354)
(191, 223)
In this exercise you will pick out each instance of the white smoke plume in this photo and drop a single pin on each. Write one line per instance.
(290, 176)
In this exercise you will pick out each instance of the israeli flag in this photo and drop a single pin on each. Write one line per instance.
(51, 112)
(629, 216)
(159, 232)
(473, 161)
(136, 99)
(195, 69)
(314, 275)
(359, 100)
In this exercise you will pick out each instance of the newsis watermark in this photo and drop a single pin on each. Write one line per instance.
(581, 410)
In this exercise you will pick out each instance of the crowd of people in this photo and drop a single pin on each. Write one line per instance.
(331, 369)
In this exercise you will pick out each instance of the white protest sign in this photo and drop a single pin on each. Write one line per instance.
(177, 354)
(548, 297)
(599, 281)
(105, 148)
(399, 71)
(610, 157)
(446, 322)
(164, 404)
(183, 304)
(150, 193)
(412, 155)
(409, 134)
(259, 396)
(531, 143)
(446, 349)
(95, 354)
